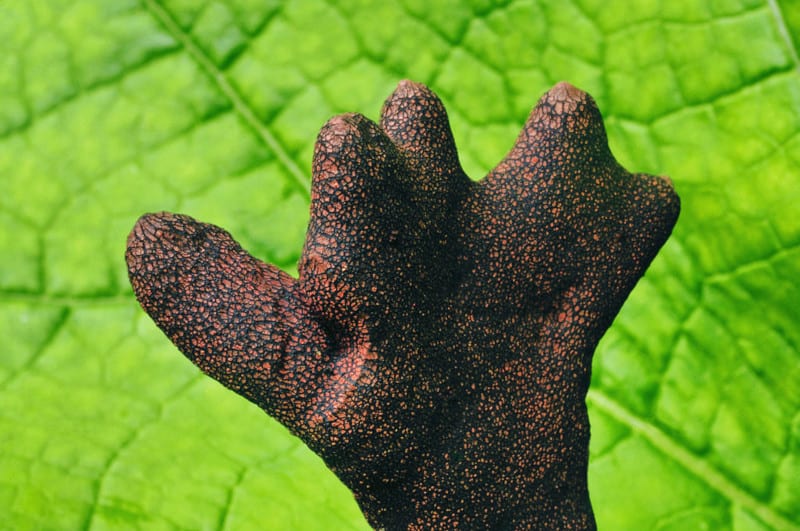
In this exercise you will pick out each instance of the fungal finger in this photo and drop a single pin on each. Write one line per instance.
(360, 214)
(415, 119)
(236, 318)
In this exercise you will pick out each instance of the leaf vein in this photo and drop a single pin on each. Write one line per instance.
(706, 473)
(242, 108)
(783, 30)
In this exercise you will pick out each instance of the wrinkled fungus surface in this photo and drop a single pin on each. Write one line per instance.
(436, 348)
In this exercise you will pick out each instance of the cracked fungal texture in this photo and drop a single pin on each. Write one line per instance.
(436, 348)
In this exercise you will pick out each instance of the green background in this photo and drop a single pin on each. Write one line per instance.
(109, 109)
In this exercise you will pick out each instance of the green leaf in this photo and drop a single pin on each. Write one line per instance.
(112, 109)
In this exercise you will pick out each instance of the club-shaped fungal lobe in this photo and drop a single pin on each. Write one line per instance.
(436, 348)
